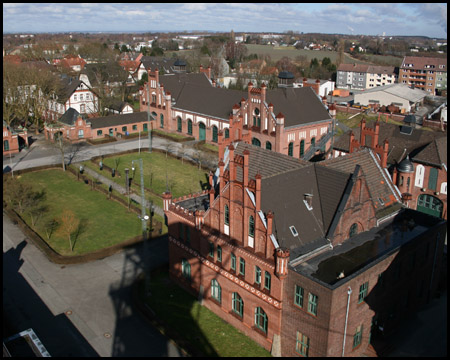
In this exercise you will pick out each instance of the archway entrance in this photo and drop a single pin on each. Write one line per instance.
(256, 142)
(429, 204)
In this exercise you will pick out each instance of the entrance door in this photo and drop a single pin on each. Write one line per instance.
(201, 131)
(429, 205)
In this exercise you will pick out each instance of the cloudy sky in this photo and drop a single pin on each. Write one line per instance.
(429, 19)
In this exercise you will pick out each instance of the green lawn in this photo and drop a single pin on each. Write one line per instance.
(103, 222)
(182, 179)
(196, 324)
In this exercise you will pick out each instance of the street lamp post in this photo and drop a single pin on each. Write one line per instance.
(149, 119)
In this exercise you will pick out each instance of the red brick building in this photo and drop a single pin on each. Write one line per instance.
(416, 161)
(13, 139)
(276, 243)
(292, 121)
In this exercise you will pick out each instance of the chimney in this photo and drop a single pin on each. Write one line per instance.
(214, 83)
(305, 82)
(317, 86)
(258, 192)
(246, 155)
(263, 92)
(385, 153)
(269, 218)
(250, 87)
(377, 132)
(211, 179)
(282, 259)
(167, 198)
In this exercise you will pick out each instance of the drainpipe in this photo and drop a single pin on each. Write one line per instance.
(349, 291)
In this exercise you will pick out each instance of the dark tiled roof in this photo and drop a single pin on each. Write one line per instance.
(399, 144)
(117, 120)
(298, 105)
(69, 117)
(68, 86)
(434, 153)
(161, 63)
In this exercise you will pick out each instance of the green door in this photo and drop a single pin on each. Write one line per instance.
(201, 131)
(429, 205)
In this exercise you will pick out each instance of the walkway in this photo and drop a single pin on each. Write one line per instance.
(121, 189)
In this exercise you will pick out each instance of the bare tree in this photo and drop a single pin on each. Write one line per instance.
(68, 225)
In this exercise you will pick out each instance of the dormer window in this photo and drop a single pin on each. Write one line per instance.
(308, 201)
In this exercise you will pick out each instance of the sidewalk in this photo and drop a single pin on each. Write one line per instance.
(121, 189)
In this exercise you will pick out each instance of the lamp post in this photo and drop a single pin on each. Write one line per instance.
(149, 119)
(127, 186)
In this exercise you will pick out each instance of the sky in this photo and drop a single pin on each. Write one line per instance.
(423, 19)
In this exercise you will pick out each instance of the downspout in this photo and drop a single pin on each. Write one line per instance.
(349, 291)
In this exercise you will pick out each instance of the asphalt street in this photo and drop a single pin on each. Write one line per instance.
(80, 310)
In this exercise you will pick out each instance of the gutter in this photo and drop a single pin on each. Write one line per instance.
(349, 292)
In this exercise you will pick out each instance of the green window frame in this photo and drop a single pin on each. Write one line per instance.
(237, 305)
(216, 290)
(291, 149)
(268, 145)
(179, 124)
(256, 142)
(302, 344)
(241, 266)
(302, 147)
(299, 296)
(251, 226)
(161, 118)
(219, 253)
(124, 129)
(81, 134)
(214, 133)
(267, 280)
(190, 127)
(357, 338)
(145, 127)
(312, 304)
(313, 142)
(227, 133)
(99, 132)
(6, 145)
(227, 215)
(257, 275)
(186, 269)
(233, 262)
(211, 249)
(363, 292)
(432, 179)
(261, 320)
(353, 230)
(134, 127)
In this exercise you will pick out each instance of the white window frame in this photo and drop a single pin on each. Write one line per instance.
(420, 174)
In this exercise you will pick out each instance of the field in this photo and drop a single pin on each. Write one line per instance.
(102, 222)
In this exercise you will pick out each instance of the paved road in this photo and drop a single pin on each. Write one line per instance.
(80, 310)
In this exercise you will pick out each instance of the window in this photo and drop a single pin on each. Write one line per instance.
(313, 142)
(219, 253)
(5, 145)
(154, 98)
(99, 132)
(432, 179)
(179, 125)
(312, 304)
(267, 281)
(268, 145)
(358, 336)
(216, 291)
(363, 292)
(233, 262)
(256, 142)
(81, 97)
(420, 173)
(80, 134)
(353, 230)
(75, 97)
(88, 97)
(145, 127)
(124, 129)
(227, 215)
(161, 117)
(298, 296)
(257, 275)
(237, 304)
(227, 133)
(241, 266)
(302, 147)
(291, 149)
(190, 127)
(302, 344)
(186, 269)
(82, 108)
(251, 226)
(214, 133)
(261, 319)
(211, 249)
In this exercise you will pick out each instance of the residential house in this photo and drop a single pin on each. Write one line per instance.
(325, 86)
(119, 107)
(76, 63)
(425, 73)
(307, 259)
(360, 76)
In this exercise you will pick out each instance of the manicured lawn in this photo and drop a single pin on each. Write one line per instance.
(103, 222)
(182, 179)
(195, 323)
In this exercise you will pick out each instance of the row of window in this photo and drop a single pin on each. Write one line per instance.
(251, 221)
(88, 97)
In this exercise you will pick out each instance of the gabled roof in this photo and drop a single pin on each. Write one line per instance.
(118, 120)
(421, 62)
(434, 153)
(69, 117)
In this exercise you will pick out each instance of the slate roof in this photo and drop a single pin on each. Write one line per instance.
(68, 86)
(118, 120)
(399, 144)
(159, 62)
(434, 153)
(69, 117)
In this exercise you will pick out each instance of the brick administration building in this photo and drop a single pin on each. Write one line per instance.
(307, 259)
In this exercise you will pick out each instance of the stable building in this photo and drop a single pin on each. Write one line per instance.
(307, 259)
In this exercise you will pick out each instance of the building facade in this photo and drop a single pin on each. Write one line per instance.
(429, 74)
(360, 77)
(265, 251)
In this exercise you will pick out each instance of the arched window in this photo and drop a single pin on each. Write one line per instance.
(251, 226)
(227, 215)
(256, 118)
(190, 127)
(302, 147)
(420, 173)
(179, 124)
(291, 149)
(256, 142)
(313, 142)
(444, 187)
(214, 133)
(227, 133)
(429, 204)
(353, 230)
(268, 145)
(186, 269)
(216, 291)
(154, 116)
(161, 117)
(219, 253)
(237, 304)
(261, 320)
(432, 179)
